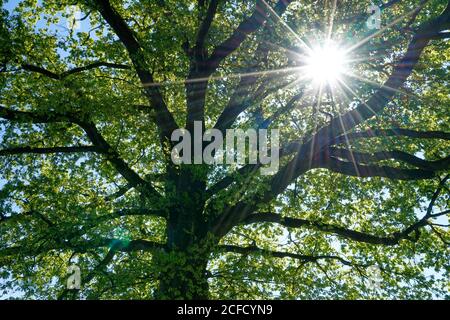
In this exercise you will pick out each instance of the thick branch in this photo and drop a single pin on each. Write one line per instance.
(239, 101)
(119, 193)
(32, 117)
(291, 104)
(206, 23)
(165, 121)
(394, 132)
(246, 27)
(362, 157)
(388, 240)
(83, 246)
(242, 98)
(359, 170)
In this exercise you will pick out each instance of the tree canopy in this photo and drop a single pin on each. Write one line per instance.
(358, 208)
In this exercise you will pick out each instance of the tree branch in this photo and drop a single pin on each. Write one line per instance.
(50, 150)
(246, 27)
(394, 132)
(165, 121)
(362, 157)
(119, 193)
(243, 98)
(99, 143)
(32, 117)
(206, 23)
(83, 246)
(63, 75)
(291, 104)
(121, 166)
(388, 240)
(100, 266)
(358, 170)
(95, 65)
(278, 254)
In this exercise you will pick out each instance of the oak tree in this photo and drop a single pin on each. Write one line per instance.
(86, 117)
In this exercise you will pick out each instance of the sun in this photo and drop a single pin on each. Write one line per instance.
(325, 63)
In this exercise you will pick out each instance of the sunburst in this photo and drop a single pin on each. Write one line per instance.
(326, 63)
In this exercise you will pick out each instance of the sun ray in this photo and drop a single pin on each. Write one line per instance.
(316, 109)
(357, 96)
(377, 33)
(350, 74)
(298, 54)
(331, 20)
(228, 76)
(296, 36)
(347, 142)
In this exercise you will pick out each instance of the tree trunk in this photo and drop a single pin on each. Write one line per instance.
(183, 276)
(182, 269)
(183, 266)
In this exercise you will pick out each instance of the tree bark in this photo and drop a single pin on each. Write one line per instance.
(183, 276)
(182, 267)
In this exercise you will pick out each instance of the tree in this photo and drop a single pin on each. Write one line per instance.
(87, 177)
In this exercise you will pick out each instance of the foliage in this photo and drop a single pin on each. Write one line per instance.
(85, 121)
